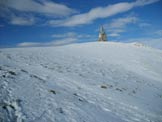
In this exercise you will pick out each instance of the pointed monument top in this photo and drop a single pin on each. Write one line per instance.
(102, 31)
(102, 35)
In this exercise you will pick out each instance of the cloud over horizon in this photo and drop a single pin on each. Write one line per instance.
(57, 14)
(100, 12)
(118, 25)
(24, 12)
(59, 42)
(22, 21)
(42, 7)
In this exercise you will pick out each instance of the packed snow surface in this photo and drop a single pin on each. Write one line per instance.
(88, 82)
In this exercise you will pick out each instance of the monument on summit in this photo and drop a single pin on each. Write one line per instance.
(102, 35)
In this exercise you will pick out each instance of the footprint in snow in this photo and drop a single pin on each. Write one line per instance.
(12, 111)
(52, 91)
(80, 98)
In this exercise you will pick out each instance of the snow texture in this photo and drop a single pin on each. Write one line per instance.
(89, 82)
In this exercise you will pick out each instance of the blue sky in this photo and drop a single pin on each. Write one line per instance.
(54, 22)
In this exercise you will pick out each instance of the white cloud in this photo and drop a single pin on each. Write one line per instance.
(59, 42)
(114, 34)
(24, 12)
(116, 30)
(100, 12)
(22, 21)
(117, 26)
(28, 44)
(40, 6)
(144, 2)
(85, 36)
(143, 25)
(159, 32)
(122, 22)
(60, 39)
(71, 35)
(65, 35)
(49, 9)
(64, 41)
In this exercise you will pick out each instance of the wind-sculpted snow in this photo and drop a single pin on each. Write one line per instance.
(90, 82)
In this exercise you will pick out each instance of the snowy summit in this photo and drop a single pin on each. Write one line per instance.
(88, 82)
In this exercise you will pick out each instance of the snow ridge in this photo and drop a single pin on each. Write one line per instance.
(89, 82)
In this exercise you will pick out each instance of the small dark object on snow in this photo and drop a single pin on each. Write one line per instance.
(4, 107)
(134, 92)
(80, 99)
(103, 86)
(119, 89)
(60, 110)
(75, 94)
(12, 73)
(52, 91)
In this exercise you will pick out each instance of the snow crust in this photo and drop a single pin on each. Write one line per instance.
(89, 82)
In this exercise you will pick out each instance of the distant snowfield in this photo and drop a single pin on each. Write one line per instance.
(89, 82)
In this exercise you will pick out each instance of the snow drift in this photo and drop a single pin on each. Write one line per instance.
(89, 82)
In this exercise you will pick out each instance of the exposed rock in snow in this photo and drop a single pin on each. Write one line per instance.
(139, 44)
(90, 82)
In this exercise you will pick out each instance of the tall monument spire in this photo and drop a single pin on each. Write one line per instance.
(102, 29)
(102, 35)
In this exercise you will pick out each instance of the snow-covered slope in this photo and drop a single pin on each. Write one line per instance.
(89, 82)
